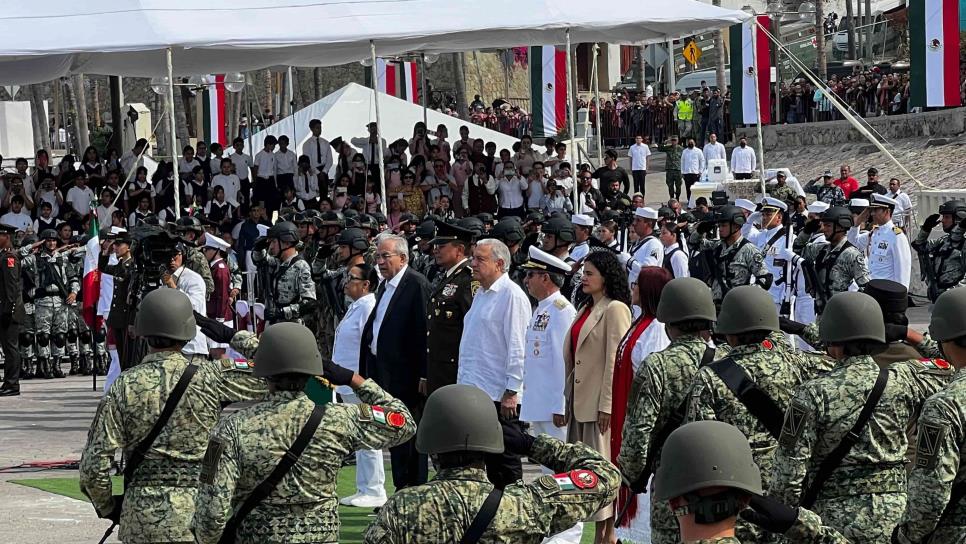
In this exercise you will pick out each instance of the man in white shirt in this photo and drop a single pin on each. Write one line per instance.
(130, 159)
(16, 217)
(886, 247)
(639, 153)
(536, 185)
(265, 188)
(511, 189)
(190, 283)
(319, 152)
(80, 196)
(227, 180)
(648, 250)
(543, 364)
(242, 164)
(369, 149)
(743, 160)
(903, 215)
(493, 344)
(692, 166)
(105, 210)
(583, 225)
(286, 162)
(714, 150)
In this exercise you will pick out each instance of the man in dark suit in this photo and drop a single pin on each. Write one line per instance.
(393, 347)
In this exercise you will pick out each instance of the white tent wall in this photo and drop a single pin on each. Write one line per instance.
(347, 111)
(16, 131)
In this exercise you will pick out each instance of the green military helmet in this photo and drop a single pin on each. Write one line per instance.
(562, 228)
(730, 214)
(747, 308)
(839, 216)
(473, 224)
(330, 219)
(459, 418)
(850, 317)
(354, 238)
(284, 231)
(426, 230)
(369, 222)
(166, 313)
(189, 223)
(955, 208)
(949, 316)
(485, 217)
(48, 234)
(287, 348)
(508, 232)
(683, 299)
(705, 454)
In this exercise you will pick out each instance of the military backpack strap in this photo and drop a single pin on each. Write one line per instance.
(758, 402)
(835, 457)
(265, 488)
(483, 517)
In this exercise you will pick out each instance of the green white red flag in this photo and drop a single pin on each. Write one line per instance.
(749, 46)
(934, 53)
(548, 89)
(91, 283)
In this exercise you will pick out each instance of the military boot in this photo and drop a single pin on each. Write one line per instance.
(74, 365)
(56, 371)
(86, 365)
(27, 372)
(43, 369)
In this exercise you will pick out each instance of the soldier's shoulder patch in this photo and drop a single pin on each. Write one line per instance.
(11, 261)
(768, 344)
(220, 265)
(380, 415)
(929, 443)
(474, 287)
(561, 303)
(794, 424)
(237, 365)
(936, 364)
(574, 481)
(209, 467)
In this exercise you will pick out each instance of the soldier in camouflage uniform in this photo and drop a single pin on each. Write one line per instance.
(287, 279)
(748, 316)
(509, 231)
(79, 346)
(54, 290)
(325, 261)
(245, 446)
(732, 260)
(942, 261)
(421, 259)
(781, 190)
(459, 426)
(938, 480)
(158, 504)
(865, 495)
(351, 246)
(193, 233)
(659, 392)
(28, 329)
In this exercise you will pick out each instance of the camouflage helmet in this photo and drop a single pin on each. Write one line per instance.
(473, 224)
(485, 217)
(287, 348)
(955, 208)
(730, 214)
(508, 232)
(839, 216)
(48, 234)
(354, 238)
(330, 219)
(705, 454)
(459, 418)
(684, 299)
(562, 228)
(165, 313)
(850, 317)
(284, 231)
(949, 316)
(747, 308)
(189, 223)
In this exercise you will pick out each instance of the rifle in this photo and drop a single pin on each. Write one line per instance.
(789, 291)
(928, 274)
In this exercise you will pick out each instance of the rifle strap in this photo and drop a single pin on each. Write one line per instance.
(285, 464)
(757, 401)
(835, 457)
(483, 517)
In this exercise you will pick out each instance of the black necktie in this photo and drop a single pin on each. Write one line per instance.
(381, 290)
(318, 151)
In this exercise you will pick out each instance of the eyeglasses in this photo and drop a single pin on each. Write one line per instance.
(385, 256)
(353, 278)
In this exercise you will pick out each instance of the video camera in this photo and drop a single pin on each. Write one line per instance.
(154, 248)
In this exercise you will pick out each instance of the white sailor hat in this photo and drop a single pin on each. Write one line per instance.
(817, 207)
(262, 229)
(117, 230)
(746, 204)
(646, 213)
(882, 201)
(541, 260)
(215, 242)
(774, 203)
(582, 220)
(859, 203)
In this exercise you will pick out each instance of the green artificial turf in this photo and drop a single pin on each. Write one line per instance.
(354, 520)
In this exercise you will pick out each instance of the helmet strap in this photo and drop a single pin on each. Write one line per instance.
(709, 509)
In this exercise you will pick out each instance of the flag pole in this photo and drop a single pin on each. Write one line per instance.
(375, 94)
(422, 86)
(174, 137)
(570, 114)
(761, 144)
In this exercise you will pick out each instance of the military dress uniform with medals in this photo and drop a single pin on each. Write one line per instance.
(886, 247)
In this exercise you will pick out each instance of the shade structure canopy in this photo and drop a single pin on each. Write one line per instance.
(45, 40)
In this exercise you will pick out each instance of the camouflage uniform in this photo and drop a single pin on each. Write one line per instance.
(833, 195)
(327, 315)
(157, 508)
(28, 330)
(441, 510)
(782, 192)
(938, 467)
(737, 264)
(50, 312)
(836, 277)
(195, 261)
(246, 447)
(866, 495)
(659, 389)
(289, 291)
(946, 258)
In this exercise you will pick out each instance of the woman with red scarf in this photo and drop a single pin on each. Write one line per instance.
(645, 336)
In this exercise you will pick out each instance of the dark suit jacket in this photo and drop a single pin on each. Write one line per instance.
(401, 360)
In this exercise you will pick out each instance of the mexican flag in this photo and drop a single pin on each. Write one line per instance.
(408, 82)
(91, 286)
(934, 58)
(746, 50)
(548, 89)
(214, 116)
(399, 79)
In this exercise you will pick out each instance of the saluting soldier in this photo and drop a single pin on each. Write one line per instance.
(289, 289)
(452, 295)
(54, 291)
(731, 260)
(770, 239)
(11, 311)
(119, 317)
(190, 229)
(941, 260)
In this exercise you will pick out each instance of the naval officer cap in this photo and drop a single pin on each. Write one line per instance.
(746, 204)
(446, 233)
(818, 207)
(774, 204)
(541, 260)
(882, 201)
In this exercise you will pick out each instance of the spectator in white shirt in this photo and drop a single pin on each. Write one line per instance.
(265, 189)
(675, 256)
(243, 163)
(80, 196)
(565, 180)
(535, 186)
(692, 166)
(511, 189)
(439, 183)
(369, 149)
(190, 283)
(131, 158)
(48, 193)
(319, 152)
(106, 209)
(141, 212)
(16, 217)
(493, 343)
(228, 181)
(743, 160)
(361, 281)
(187, 163)
(554, 161)
(46, 219)
(307, 182)
(639, 152)
(903, 214)
(285, 164)
(714, 150)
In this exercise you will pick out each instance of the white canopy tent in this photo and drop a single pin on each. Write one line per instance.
(46, 40)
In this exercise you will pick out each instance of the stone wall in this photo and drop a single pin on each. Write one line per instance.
(933, 124)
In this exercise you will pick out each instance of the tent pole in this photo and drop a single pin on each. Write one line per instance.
(761, 143)
(290, 97)
(570, 110)
(174, 136)
(422, 82)
(375, 94)
(251, 120)
(596, 80)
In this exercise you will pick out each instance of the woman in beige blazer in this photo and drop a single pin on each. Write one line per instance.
(590, 350)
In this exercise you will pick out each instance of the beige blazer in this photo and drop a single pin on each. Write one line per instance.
(590, 372)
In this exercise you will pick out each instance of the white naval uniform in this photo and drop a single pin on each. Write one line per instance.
(580, 251)
(543, 379)
(648, 251)
(804, 302)
(777, 270)
(887, 250)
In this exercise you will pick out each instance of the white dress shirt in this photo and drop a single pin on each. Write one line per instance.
(714, 151)
(639, 154)
(319, 152)
(242, 163)
(494, 339)
(511, 192)
(285, 162)
(887, 251)
(369, 149)
(692, 161)
(348, 336)
(307, 185)
(265, 162)
(743, 160)
(903, 213)
(489, 184)
(679, 261)
(106, 294)
(383, 306)
(543, 362)
(232, 185)
(80, 199)
(777, 269)
(21, 221)
(190, 283)
(652, 340)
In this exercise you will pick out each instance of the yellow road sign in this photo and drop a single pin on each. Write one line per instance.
(692, 53)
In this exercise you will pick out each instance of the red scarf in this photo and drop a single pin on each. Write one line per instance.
(623, 379)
